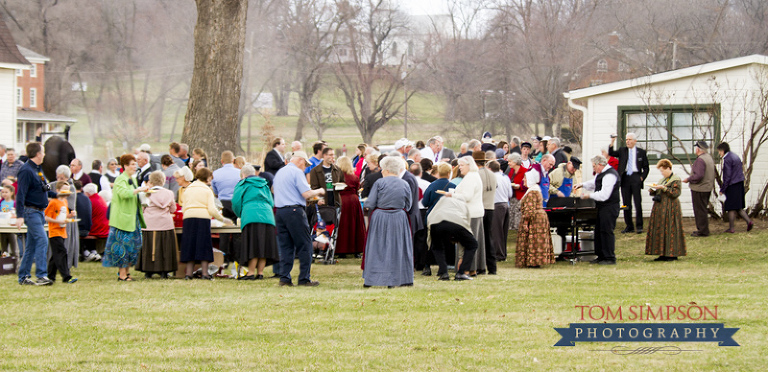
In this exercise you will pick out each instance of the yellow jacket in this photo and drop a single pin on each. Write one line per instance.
(198, 202)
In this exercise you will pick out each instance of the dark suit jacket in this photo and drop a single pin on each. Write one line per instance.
(368, 182)
(317, 180)
(272, 162)
(560, 157)
(641, 161)
(414, 212)
(447, 153)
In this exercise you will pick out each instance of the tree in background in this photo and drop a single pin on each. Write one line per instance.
(214, 98)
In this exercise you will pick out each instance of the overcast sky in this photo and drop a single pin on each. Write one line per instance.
(424, 6)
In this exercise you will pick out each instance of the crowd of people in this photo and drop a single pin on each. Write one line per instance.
(403, 210)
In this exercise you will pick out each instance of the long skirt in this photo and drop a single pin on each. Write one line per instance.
(259, 241)
(479, 233)
(389, 250)
(196, 244)
(122, 248)
(514, 214)
(534, 242)
(158, 253)
(72, 244)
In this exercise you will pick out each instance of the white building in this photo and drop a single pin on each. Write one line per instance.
(10, 61)
(670, 111)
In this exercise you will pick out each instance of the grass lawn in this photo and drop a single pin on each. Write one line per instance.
(494, 323)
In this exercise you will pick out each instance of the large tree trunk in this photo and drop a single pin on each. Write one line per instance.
(211, 122)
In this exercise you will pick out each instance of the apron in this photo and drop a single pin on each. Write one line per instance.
(567, 187)
(544, 184)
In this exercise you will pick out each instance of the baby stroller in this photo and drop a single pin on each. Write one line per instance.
(324, 224)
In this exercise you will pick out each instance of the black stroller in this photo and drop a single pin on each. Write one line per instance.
(325, 224)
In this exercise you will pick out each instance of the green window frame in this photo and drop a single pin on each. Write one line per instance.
(670, 131)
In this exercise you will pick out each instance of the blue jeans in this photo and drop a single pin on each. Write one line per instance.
(293, 239)
(36, 246)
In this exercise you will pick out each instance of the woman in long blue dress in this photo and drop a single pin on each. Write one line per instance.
(388, 257)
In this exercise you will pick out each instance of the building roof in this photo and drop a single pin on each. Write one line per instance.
(667, 76)
(30, 55)
(25, 114)
(9, 53)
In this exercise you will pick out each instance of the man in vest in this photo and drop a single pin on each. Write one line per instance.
(540, 176)
(702, 180)
(606, 196)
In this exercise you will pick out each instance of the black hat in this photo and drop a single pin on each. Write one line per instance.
(702, 145)
(526, 144)
(576, 162)
(538, 138)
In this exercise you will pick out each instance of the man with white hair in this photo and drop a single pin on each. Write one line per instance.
(553, 146)
(76, 166)
(145, 167)
(633, 170)
(293, 239)
(414, 156)
(606, 196)
(295, 146)
(538, 174)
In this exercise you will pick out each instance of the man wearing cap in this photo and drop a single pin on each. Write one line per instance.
(702, 182)
(525, 155)
(633, 168)
(561, 178)
(403, 146)
(293, 239)
(553, 146)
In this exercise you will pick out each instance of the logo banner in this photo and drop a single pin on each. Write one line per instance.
(646, 332)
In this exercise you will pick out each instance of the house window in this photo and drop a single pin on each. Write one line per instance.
(19, 72)
(602, 66)
(33, 71)
(20, 97)
(623, 67)
(671, 131)
(32, 97)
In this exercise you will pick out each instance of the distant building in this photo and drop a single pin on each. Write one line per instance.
(614, 63)
(11, 60)
(30, 94)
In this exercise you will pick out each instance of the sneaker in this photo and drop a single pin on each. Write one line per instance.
(462, 277)
(44, 281)
(27, 281)
(71, 281)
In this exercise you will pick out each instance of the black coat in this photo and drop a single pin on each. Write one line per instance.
(623, 155)
(272, 162)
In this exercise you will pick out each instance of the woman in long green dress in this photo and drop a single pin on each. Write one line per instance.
(666, 238)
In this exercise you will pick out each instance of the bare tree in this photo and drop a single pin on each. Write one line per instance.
(371, 89)
(214, 97)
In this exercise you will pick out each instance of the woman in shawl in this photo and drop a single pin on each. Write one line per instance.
(665, 237)
(470, 191)
(388, 257)
(159, 244)
(534, 240)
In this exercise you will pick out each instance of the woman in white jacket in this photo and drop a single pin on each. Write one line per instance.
(470, 190)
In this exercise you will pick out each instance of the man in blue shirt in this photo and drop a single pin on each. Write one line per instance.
(317, 158)
(31, 201)
(293, 239)
(224, 181)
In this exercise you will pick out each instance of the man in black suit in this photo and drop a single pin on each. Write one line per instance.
(274, 159)
(633, 168)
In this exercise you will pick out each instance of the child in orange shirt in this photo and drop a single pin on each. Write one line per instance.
(56, 215)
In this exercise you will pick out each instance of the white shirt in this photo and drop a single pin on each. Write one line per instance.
(632, 160)
(503, 189)
(423, 184)
(609, 180)
(427, 153)
(526, 163)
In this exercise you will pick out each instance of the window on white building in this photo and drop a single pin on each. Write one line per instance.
(671, 132)
(32, 97)
(602, 65)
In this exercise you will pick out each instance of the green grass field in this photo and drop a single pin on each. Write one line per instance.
(494, 323)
